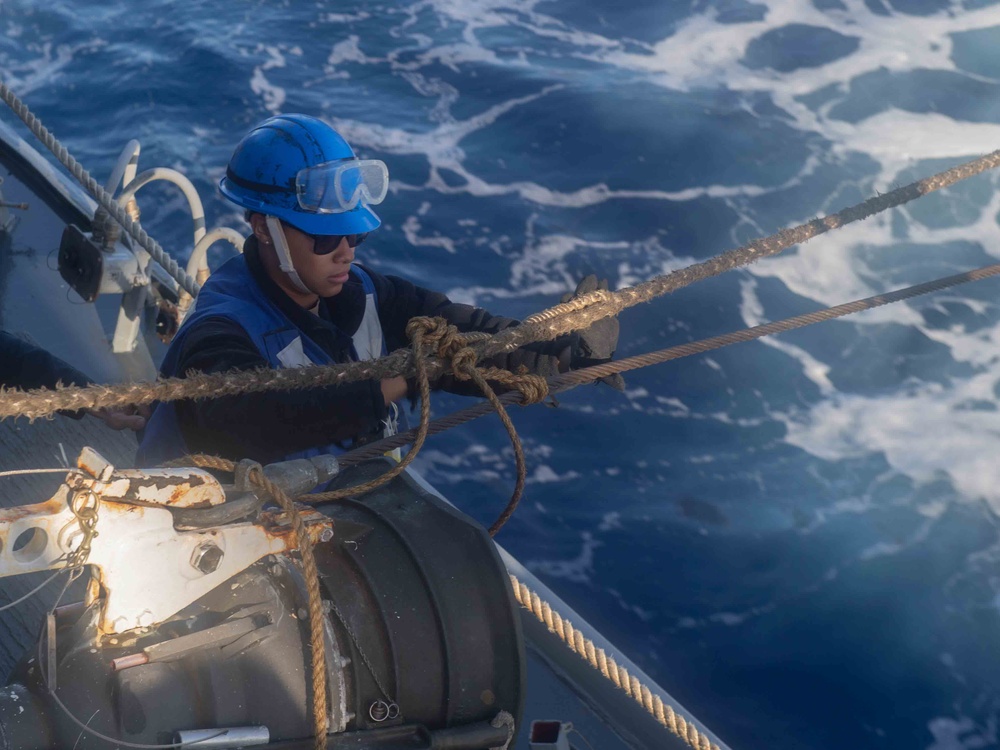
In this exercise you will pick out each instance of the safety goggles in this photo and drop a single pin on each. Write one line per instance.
(339, 186)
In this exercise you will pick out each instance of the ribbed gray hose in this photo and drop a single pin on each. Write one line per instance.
(102, 196)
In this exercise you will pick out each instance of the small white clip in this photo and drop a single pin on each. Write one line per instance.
(391, 422)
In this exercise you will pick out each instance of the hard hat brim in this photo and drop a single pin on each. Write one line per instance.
(357, 221)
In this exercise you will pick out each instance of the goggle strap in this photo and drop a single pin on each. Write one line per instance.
(284, 254)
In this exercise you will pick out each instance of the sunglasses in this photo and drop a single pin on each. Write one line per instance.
(324, 244)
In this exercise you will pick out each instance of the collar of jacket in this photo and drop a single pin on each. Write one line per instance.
(339, 316)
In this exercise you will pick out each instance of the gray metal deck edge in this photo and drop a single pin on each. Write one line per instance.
(621, 712)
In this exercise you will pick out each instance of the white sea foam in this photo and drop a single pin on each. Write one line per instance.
(577, 569)
(272, 96)
(923, 431)
(344, 17)
(45, 66)
(411, 229)
(543, 474)
(962, 733)
(348, 50)
(752, 312)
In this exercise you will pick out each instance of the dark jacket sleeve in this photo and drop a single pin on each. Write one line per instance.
(401, 300)
(267, 426)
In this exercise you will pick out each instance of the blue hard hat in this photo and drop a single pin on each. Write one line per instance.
(267, 169)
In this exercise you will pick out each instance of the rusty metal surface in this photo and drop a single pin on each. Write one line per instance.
(148, 569)
(9, 516)
(44, 444)
(174, 488)
(277, 525)
(94, 464)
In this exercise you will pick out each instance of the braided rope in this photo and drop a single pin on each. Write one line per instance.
(417, 329)
(453, 347)
(581, 312)
(568, 380)
(589, 374)
(44, 402)
(102, 196)
(547, 324)
(438, 331)
(583, 647)
(310, 573)
(521, 466)
(421, 331)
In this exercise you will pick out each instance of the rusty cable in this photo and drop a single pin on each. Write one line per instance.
(569, 380)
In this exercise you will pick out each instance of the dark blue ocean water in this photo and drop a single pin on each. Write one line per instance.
(796, 538)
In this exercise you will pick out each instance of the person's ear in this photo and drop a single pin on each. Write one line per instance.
(259, 224)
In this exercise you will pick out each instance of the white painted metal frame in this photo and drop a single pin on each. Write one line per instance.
(147, 570)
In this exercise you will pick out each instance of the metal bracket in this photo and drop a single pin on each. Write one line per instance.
(241, 476)
(148, 570)
(95, 464)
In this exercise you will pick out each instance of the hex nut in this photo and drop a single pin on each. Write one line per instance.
(207, 558)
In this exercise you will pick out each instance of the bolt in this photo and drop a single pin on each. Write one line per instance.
(207, 558)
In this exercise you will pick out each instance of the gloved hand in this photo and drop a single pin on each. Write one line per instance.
(596, 344)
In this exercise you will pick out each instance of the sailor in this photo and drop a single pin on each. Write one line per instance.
(26, 366)
(297, 297)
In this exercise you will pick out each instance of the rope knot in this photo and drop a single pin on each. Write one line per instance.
(463, 362)
(534, 388)
(449, 344)
(454, 348)
(436, 332)
(424, 325)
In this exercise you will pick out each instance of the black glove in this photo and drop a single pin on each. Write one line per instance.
(597, 344)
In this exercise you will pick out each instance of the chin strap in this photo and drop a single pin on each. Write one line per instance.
(284, 256)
